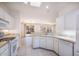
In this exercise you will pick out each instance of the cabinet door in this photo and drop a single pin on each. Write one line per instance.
(42, 42)
(70, 21)
(65, 48)
(14, 49)
(28, 40)
(2, 49)
(49, 43)
(56, 45)
(3, 22)
(76, 45)
(1, 13)
(60, 24)
(36, 42)
(5, 53)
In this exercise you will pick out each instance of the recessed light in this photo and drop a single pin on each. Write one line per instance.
(47, 7)
(36, 4)
(25, 2)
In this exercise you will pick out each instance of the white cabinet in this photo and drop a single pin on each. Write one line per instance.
(66, 22)
(70, 21)
(3, 21)
(43, 42)
(1, 13)
(9, 48)
(56, 45)
(76, 44)
(60, 24)
(49, 43)
(4, 51)
(28, 40)
(14, 48)
(6, 18)
(36, 42)
(65, 48)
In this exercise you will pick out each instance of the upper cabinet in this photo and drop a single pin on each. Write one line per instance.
(3, 23)
(60, 24)
(1, 13)
(70, 21)
(5, 19)
(66, 22)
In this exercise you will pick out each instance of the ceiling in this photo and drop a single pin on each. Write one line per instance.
(30, 12)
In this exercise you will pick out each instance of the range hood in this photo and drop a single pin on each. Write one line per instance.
(3, 23)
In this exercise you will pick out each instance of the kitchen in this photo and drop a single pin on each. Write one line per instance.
(39, 29)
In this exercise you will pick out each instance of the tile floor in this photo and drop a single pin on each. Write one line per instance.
(27, 50)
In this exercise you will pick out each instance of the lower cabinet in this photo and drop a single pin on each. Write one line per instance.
(65, 48)
(43, 42)
(13, 47)
(49, 43)
(56, 45)
(36, 42)
(9, 49)
(28, 40)
(4, 51)
(61, 47)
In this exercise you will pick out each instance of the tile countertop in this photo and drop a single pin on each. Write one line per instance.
(69, 39)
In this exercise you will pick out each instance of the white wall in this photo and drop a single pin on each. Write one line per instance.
(68, 8)
(66, 14)
(37, 18)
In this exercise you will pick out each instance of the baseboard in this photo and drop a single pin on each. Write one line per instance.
(47, 49)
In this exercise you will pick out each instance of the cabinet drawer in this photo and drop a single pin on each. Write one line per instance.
(2, 49)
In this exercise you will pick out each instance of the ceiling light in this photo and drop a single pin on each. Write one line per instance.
(35, 4)
(25, 2)
(47, 7)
